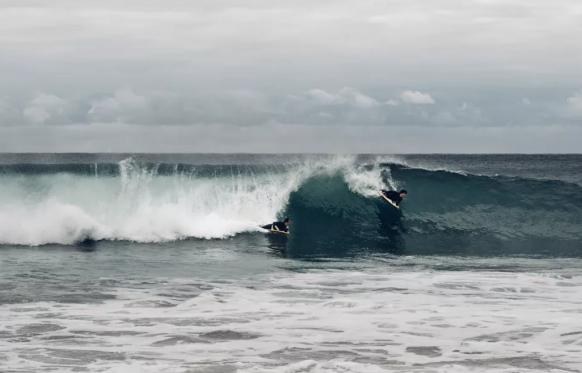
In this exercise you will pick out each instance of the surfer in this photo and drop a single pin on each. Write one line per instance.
(393, 196)
(279, 226)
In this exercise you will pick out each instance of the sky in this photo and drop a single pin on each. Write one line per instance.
(391, 76)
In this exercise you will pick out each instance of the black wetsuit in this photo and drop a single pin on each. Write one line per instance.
(279, 226)
(392, 196)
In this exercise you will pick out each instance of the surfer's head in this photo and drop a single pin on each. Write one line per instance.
(287, 221)
(402, 193)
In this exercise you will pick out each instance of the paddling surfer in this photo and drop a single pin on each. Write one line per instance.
(279, 226)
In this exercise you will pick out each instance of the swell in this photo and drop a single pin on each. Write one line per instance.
(334, 206)
(445, 213)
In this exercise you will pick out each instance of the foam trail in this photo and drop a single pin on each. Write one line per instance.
(337, 321)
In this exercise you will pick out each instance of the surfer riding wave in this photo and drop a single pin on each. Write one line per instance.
(394, 197)
(278, 226)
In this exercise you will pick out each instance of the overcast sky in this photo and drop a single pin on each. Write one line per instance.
(391, 76)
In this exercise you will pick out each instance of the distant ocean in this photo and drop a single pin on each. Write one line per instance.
(155, 263)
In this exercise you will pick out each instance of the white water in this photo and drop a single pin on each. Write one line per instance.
(142, 206)
(312, 322)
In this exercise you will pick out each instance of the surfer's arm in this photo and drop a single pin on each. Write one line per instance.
(396, 204)
(388, 199)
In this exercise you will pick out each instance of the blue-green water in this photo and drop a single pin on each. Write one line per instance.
(155, 263)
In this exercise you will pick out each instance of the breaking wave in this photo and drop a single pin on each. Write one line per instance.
(333, 203)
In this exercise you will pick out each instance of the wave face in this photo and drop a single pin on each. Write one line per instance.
(333, 203)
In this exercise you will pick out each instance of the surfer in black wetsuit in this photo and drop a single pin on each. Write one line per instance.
(394, 196)
(279, 226)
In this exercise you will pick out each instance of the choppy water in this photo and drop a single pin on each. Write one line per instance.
(154, 263)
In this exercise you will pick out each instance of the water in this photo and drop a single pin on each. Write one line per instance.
(155, 263)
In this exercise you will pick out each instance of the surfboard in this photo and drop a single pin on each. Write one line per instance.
(274, 231)
(389, 200)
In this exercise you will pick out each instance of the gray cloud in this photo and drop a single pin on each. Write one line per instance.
(301, 24)
(346, 96)
(315, 106)
(416, 97)
(44, 107)
(575, 104)
(426, 69)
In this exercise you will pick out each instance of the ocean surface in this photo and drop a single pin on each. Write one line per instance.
(155, 263)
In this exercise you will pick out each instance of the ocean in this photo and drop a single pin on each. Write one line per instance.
(156, 263)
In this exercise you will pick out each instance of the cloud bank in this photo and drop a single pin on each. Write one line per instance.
(411, 70)
(315, 106)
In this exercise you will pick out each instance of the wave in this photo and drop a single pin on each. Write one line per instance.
(146, 202)
(332, 201)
